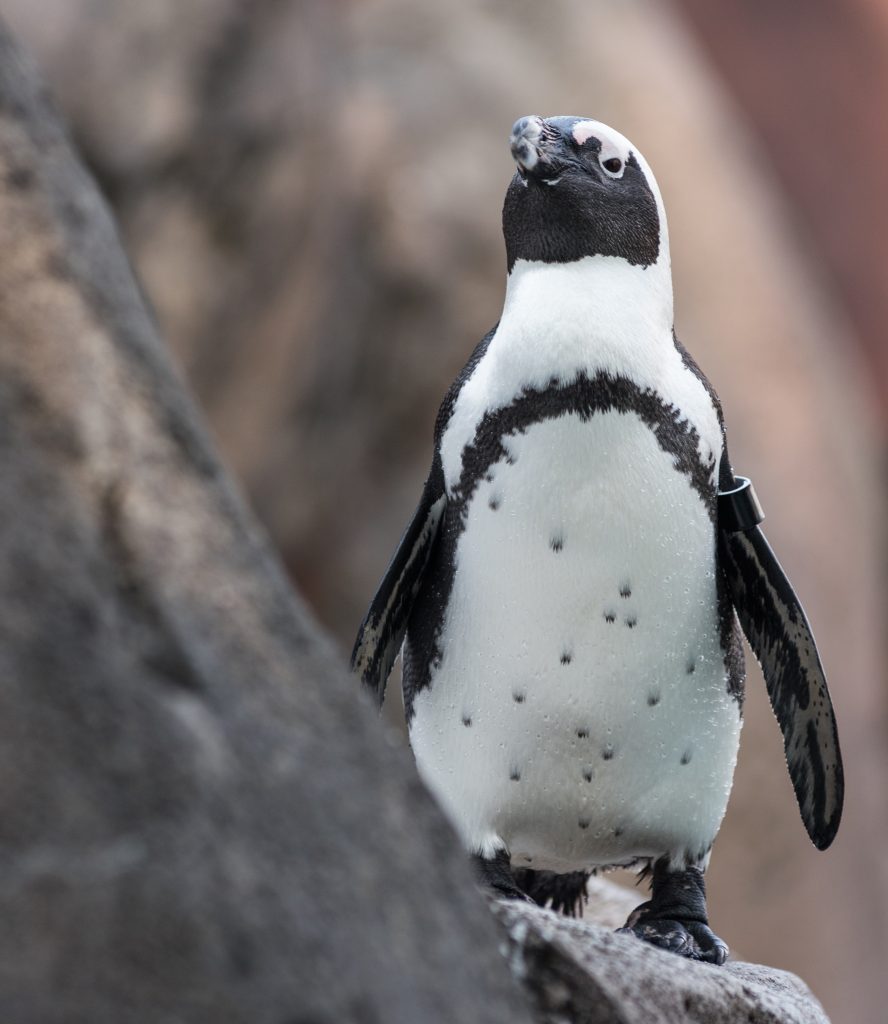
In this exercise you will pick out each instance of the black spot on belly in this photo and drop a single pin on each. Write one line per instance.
(617, 833)
(510, 460)
(653, 698)
(582, 733)
(583, 823)
(494, 502)
(466, 720)
(519, 697)
(566, 657)
(692, 665)
(515, 775)
(610, 616)
(631, 621)
(556, 542)
(686, 757)
(625, 590)
(607, 752)
(587, 774)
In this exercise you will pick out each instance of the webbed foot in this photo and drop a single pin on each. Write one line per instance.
(675, 916)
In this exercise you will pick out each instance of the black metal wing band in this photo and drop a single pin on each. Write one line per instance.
(781, 638)
(739, 509)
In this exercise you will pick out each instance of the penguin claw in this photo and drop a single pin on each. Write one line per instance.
(496, 878)
(690, 939)
(710, 947)
(504, 892)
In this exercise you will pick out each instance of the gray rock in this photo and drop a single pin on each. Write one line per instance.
(583, 973)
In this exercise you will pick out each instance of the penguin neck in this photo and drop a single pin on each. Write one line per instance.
(597, 311)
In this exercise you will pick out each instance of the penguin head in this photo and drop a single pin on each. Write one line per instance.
(580, 189)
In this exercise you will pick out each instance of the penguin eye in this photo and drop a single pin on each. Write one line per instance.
(613, 166)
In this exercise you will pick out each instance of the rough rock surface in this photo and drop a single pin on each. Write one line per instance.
(581, 972)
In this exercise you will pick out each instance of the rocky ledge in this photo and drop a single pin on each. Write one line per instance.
(581, 972)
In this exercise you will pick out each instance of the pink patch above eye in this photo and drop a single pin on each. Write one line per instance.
(583, 131)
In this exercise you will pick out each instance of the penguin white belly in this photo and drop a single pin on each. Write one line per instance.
(579, 714)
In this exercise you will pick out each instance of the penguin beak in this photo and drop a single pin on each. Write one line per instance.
(524, 142)
(536, 146)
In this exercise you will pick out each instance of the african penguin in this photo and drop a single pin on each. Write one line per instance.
(568, 591)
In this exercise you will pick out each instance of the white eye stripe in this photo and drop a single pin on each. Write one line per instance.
(613, 146)
(584, 130)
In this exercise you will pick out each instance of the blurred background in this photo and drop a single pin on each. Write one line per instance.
(310, 191)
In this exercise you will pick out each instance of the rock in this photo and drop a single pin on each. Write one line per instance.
(583, 973)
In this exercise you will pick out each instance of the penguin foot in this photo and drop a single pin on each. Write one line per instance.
(675, 916)
(565, 894)
(690, 939)
(495, 874)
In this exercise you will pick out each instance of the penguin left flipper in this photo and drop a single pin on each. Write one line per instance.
(781, 639)
(382, 631)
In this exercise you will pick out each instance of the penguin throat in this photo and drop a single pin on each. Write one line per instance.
(598, 302)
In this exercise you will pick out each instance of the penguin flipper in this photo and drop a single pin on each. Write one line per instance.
(781, 638)
(382, 631)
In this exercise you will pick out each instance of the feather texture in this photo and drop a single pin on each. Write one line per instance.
(382, 631)
(778, 632)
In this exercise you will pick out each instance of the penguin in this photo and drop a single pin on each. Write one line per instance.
(570, 592)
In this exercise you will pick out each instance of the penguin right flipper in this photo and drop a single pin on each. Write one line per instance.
(781, 638)
(382, 631)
